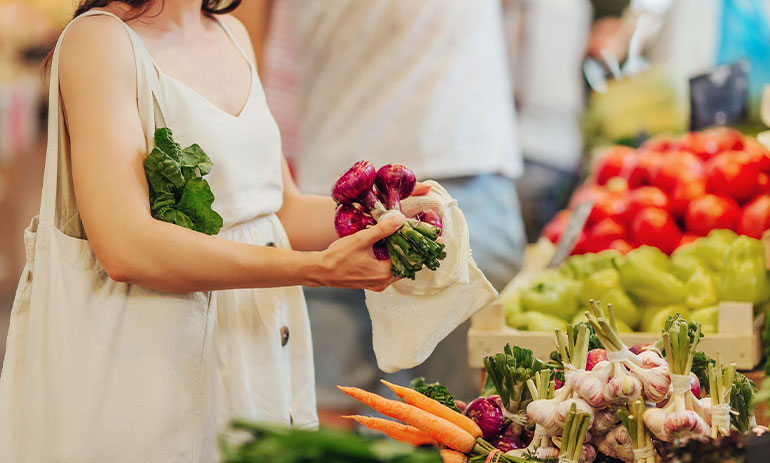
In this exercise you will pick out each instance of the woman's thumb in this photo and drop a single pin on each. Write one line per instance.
(383, 229)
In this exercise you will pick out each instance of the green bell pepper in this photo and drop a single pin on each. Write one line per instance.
(583, 265)
(553, 295)
(701, 290)
(645, 275)
(708, 317)
(604, 286)
(535, 321)
(744, 272)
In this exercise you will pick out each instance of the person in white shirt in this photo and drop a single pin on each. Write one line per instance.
(425, 84)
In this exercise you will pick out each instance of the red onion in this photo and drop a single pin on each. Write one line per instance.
(394, 183)
(354, 183)
(381, 250)
(430, 216)
(487, 414)
(351, 218)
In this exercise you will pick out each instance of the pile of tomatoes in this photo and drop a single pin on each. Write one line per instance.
(671, 191)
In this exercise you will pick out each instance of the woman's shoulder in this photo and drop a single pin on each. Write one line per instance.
(236, 27)
(97, 41)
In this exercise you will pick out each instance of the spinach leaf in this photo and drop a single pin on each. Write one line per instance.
(178, 192)
(435, 391)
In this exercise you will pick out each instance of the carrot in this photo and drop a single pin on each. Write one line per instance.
(452, 456)
(439, 429)
(395, 430)
(423, 402)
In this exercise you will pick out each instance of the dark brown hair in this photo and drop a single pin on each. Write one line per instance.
(209, 6)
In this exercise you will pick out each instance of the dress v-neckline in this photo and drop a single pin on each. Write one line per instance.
(197, 94)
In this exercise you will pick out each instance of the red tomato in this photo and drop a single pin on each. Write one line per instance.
(734, 174)
(581, 245)
(712, 141)
(617, 185)
(556, 226)
(606, 204)
(755, 218)
(683, 193)
(759, 153)
(646, 196)
(678, 166)
(710, 212)
(611, 163)
(640, 169)
(611, 205)
(655, 227)
(687, 238)
(764, 183)
(621, 245)
(660, 143)
(606, 231)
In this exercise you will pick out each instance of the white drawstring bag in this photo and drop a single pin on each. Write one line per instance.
(95, 370)
(411, 317)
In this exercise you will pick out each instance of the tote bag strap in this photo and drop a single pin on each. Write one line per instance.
(57, 179)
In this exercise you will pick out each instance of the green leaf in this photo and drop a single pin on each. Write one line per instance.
(435, 391)
(164, 141)
(163, 172)
(178, 193)
(193, 156)
(172, 215)
(196, 202)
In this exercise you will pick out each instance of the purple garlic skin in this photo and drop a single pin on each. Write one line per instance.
(685, 423)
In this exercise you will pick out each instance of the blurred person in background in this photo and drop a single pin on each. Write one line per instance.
(546, 45)
(425, 84)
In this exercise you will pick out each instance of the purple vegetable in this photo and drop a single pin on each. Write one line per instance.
(507, 443)
(430, 216)
(351, 218)
(487, 414)
(354, 183)
(381, 250)
(394, 183)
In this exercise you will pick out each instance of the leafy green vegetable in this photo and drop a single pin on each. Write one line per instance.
(276, 444)
(507, 374)
(742, 401)
(178, 192)
(435, 391)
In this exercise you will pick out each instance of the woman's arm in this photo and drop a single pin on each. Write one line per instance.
(98, 87)
(299, 210)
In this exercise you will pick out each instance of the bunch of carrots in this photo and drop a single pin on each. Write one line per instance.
(424, 421)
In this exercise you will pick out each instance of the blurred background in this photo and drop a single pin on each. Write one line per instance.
(584, 74)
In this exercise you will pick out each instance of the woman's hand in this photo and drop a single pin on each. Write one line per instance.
(350, 263)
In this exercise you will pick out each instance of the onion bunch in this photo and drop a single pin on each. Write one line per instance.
(366, 197)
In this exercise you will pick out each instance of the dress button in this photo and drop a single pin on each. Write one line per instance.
(284, 336)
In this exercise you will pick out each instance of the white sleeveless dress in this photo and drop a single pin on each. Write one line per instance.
(100, 371)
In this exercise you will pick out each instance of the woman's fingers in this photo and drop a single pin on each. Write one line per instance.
(421, 189)
(381, 230)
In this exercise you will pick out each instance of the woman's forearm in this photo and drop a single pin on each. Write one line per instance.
(157, 255)
(297, 215)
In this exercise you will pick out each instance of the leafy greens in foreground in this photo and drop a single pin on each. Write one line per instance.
(435, 391)
(275, 444)
(178, 192)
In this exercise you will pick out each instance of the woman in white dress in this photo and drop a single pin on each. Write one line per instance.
(134, 340)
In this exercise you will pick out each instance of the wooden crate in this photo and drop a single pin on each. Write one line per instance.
(738, 340)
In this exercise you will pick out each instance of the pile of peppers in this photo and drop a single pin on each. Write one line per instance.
(366, 197)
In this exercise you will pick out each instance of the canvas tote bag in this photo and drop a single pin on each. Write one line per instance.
(95, 370)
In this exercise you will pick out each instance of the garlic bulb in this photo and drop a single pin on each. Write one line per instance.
(587, 454)
(604, 420)
(686, 423)
(654, 419)
(617, 444)
(563, 409)
(543, 412)
(622, 388)
(656, 381)
(589, 385)
(547, 453)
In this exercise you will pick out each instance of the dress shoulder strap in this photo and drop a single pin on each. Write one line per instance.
(235, 41)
